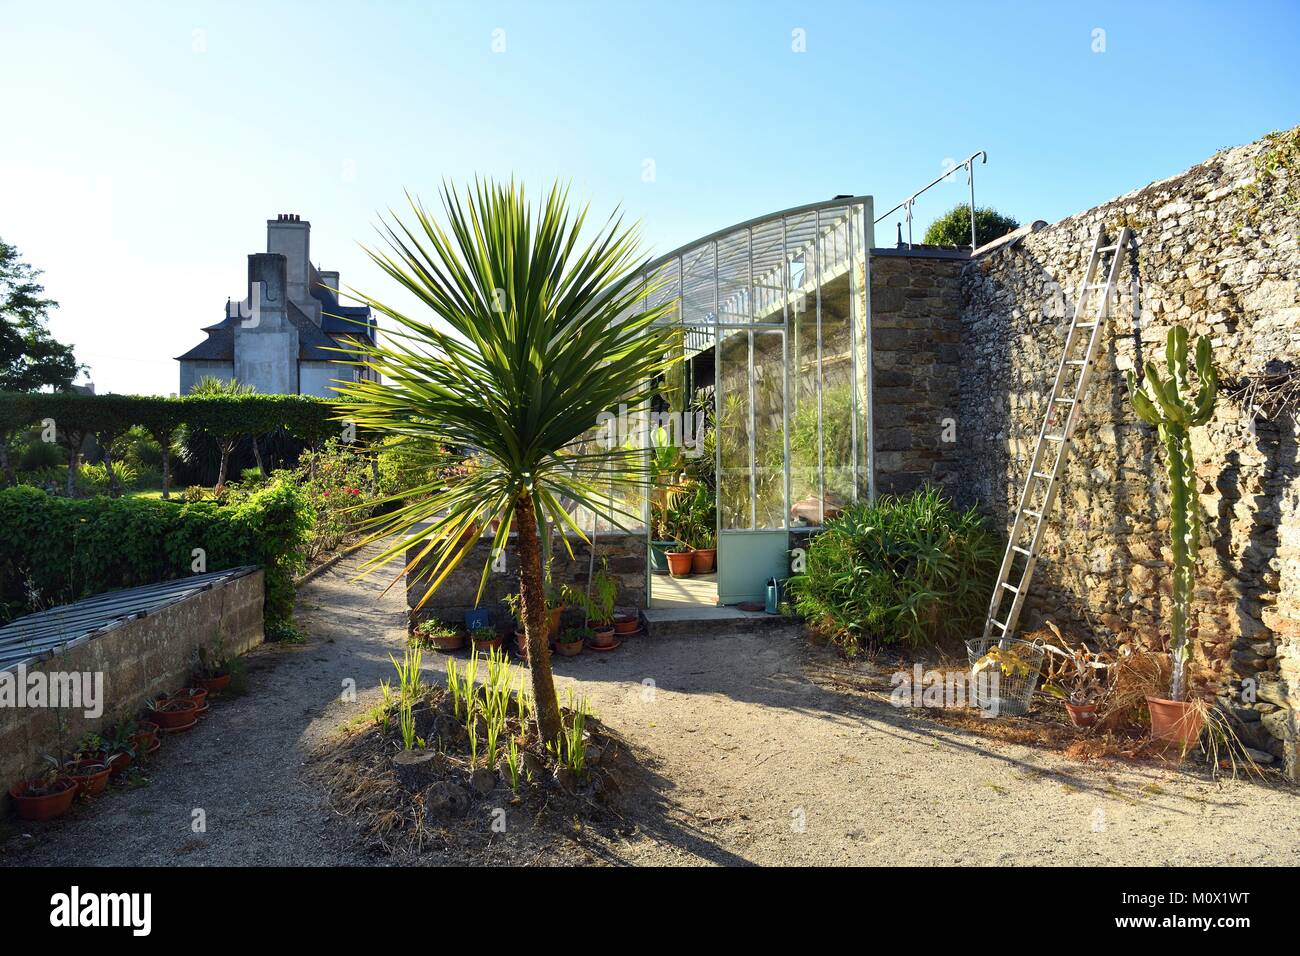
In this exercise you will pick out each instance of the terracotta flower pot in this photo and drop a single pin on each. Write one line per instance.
(555, 613)
(175, 713)
(521, 644)
(1081, 715)
(91, 775)
(568, 648)
(214, 685)
(1175, 721)
(626, 624)
(45, 807)
(493, 645)
(702, 560)
(119, 762)
(448, 642)
(679, 563)
(602, 637)
(146, 738)
(196, 694)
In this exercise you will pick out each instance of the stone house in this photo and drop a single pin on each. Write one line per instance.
(281, 339)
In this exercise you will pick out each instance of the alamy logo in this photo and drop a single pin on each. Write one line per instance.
(922, 688)
(75, 908)
(249, 312)
(74, 690)
(628, 429)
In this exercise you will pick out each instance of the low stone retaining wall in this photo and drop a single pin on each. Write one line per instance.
(138, 659)
(625, 552)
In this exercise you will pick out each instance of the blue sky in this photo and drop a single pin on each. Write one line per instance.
(145, 146)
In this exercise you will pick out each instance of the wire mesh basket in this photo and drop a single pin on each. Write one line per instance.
(1004, 674)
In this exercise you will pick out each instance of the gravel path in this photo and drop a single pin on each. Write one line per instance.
(756, 755)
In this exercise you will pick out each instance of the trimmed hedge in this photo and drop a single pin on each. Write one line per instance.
(62, 549)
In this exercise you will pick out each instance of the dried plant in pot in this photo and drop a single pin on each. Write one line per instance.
(172, 714)
(1074, 674)
(45, 796)
(1170, 403)
(213, 670)
(90, 775)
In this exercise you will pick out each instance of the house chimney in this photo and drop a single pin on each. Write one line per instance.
(289, 236)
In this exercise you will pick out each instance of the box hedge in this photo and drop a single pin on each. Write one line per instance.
(58, 549)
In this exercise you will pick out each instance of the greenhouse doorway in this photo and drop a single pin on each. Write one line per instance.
(775, 353)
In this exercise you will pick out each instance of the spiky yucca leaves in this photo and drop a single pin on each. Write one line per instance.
(1174, 408)
(543, 334)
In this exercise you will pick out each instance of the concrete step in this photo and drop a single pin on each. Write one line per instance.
(702, 621)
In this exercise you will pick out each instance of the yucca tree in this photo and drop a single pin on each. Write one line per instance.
(545, 330)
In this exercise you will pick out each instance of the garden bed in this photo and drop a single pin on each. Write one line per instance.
(438, 768)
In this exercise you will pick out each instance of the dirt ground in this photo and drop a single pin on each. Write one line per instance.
(755, 751)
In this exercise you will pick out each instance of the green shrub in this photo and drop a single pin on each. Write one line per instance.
(910, 569)
(61, 549)
(953, 227)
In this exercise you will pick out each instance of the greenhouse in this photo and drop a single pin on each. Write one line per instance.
(774, 314)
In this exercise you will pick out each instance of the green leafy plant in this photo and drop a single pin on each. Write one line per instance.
(571, 744)
(482, 635)
(531, 336)
(408, 673)
(910, 569)
(513, 763)
(1174, 407)
(406, 724)
(599, 600)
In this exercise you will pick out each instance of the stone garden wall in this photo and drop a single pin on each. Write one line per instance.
(1216, 251)
(625, 552)
(915, 344)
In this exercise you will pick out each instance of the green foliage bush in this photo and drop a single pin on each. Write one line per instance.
(912, 570)
(953, 227)
(62, 549)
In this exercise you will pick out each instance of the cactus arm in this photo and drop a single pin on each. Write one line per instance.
(1142, 405)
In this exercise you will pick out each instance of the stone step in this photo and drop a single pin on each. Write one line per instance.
(694, 623)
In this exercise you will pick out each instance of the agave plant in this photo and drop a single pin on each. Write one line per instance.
(531, 335)
(1174, 407)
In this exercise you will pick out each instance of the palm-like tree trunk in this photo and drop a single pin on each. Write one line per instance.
(166, 470)
(532, 592)
(226, 447)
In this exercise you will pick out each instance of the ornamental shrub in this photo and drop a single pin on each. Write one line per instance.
(953, 227)
(910, 569)
(61, 549)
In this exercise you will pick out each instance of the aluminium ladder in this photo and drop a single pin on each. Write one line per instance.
(1068, 391)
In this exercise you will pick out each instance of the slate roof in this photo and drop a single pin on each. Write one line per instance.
(314, 343)
(338, 319)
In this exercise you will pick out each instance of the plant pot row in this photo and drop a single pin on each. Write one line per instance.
(682, 564)
(48, 797)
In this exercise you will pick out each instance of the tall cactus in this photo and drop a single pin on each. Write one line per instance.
(1169, 404)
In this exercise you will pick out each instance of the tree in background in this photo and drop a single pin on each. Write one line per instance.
(953, 227)
(225, 429)
(548, 332)
(29, 358)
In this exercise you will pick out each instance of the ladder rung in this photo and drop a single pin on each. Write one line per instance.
(1032, 514)
(1086, 325)
(1064, 401)
(1013, 590)
(1043, 475)
(1076, 362)
(1028, 554)
(1095, 285)
(1056, 438)
(1108, 248)
(1000, 625)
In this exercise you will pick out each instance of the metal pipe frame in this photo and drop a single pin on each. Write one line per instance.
(907, 204)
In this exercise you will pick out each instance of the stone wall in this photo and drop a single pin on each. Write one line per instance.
(915, 335)
(625, 552)
(139, 659)
(1217, 252)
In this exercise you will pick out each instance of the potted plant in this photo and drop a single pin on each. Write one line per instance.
(1074, 675)
(118, 747)
(46, 796)
(171, 714)
(145, 739)
(1174, 408)
(704, 551)
(91, 775)
(599, 602)
(569, 643)
(485, 639)
(196, 694)
(440, 635)
(626, 623)
(679, 560)
(213, 672)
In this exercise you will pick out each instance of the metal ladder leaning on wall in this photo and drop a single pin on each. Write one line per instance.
(1068, 391)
